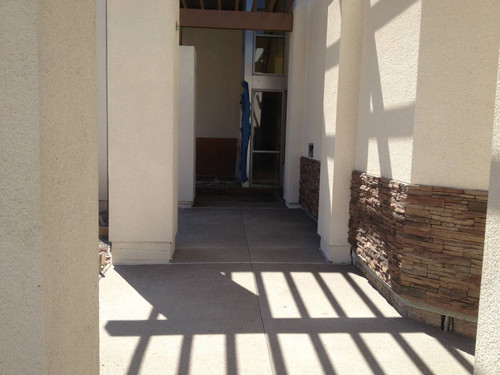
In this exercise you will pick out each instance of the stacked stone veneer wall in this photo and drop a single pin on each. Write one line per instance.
(422, 246)
(309, 185)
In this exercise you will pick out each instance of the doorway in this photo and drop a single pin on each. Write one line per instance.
(267, 138)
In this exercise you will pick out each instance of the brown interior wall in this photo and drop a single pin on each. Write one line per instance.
(424, 242)
(218, 81)
(216, 156)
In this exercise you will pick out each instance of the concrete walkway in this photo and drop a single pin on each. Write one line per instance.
(249, 293)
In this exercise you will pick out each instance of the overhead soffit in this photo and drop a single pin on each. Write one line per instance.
(231, 14)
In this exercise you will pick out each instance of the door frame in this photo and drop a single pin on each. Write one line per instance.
(282, 138)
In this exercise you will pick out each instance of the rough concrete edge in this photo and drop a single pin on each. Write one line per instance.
(185, 204)
(138, 253)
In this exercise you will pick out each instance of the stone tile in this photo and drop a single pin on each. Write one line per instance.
(195, 236)
(286, 255)
(181, 318)
(318, 319)
(276, 217)
(282, 236)
(221, 216)
(210, 318)
(212, 255)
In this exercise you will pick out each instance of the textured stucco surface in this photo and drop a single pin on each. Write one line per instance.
(347, 117)
(391, 35)
(102, 105)
(313, 88)
(455, 98)
(49, 309)
(21, 340)
(68, 139)
(329, 99)
(142, 122)
(341, 92)
(295, 102)
(187, 124)
(218, 54)
(488, 334)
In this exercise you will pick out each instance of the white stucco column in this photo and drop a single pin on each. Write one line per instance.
(48, 188)
(143, 55)
(187, 126)
(487, 360)
(338, 143)
(295, 103)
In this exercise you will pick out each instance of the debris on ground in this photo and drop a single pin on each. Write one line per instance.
(104, 245)
(104, 255)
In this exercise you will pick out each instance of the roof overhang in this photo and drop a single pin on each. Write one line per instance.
(229, 15)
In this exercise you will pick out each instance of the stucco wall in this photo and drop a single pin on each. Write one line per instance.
(218, 80)
(68, 138)
(48, 184)
(143, 50)
(295, 102)
(102, 100)
(488, 334)
(388, 88)
(328, 112)
(456, 85)
(21, 341)
(314, 119)
(187, 125)
(341, 98)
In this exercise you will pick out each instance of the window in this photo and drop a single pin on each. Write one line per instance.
(269, 53)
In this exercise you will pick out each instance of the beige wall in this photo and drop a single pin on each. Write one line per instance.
(391, 34)
(143, 129)
(102, 105)
(487, 359)
(340, 110)
(328, 112)
(453, 117)
(218, 80)
(306, 78)
(21, 341)
(48, 184)
(314, 119)
(187, 125)
(295, 103)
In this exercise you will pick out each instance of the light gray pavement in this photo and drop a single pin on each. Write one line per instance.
(249, 293)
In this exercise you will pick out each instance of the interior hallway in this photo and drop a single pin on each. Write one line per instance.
(250, 293)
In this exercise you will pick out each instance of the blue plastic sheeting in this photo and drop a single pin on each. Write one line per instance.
(246, 130)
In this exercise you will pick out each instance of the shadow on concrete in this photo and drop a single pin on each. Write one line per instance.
(200, 300)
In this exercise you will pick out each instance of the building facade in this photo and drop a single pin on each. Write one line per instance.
(400, 100)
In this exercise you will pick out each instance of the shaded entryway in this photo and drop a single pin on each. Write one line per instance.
(246, 235)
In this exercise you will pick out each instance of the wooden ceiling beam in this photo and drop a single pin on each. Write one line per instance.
(184, 4)
(202, 4)
(220, 5)
(237, 5)
(233, 20)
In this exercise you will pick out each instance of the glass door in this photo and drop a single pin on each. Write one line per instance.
(267, 138)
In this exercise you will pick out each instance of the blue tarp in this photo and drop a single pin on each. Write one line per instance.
(246, 130)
